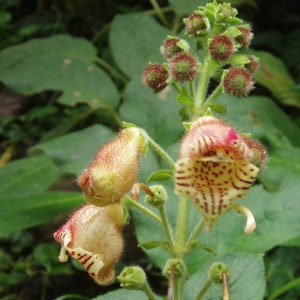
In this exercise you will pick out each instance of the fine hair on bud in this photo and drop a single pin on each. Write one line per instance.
(170, 47)
(221, 48)
(246, 36)
(195, 24)
(155, 77)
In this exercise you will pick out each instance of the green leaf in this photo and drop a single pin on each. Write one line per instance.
(122, 294)
(26, 211)
(160, 175)
(183, 7)
(274, 75)
(247, 278)
(135, 40)
(27, 176)
(73, 152)
(156, 113)
(153, 244)
(62, 63)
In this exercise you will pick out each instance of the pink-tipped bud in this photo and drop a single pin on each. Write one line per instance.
(183, 67)
(237, 82)
(221, 48)
(253, 64)
(170, 47)
(246, 36)
(93, 237)
(114, 169)
(215, 166)
(196, 24)
(155, 77)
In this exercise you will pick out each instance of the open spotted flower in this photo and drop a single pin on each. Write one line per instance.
(93, 237)
(114, 169)
(217, 165)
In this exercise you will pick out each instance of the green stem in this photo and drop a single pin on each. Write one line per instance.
(142, 208)
(148, 291)
(111, 69)
(159, 12)
(166, 226)
(292, 284)
(212, 97)
(196, 231)
(160, 151)
(203, 290)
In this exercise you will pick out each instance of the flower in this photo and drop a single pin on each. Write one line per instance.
(114, 169)
(216, 166)
(93, 237)
(155, 77)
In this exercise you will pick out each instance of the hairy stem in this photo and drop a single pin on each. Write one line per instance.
(203, 290)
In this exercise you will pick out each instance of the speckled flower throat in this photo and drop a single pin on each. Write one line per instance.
(214, 167)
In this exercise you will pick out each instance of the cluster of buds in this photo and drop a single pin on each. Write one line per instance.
(217, 165)
(93, 234)
(217, 28)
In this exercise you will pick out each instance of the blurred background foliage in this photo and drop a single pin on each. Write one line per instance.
(70, 73)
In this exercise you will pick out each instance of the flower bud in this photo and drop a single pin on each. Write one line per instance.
(159, 198)
(114, 169)
(176, 266)
(155, 77)
(253, 64)
(216, 271)
(170, 47)
(183, 67)
(215, 167)
(245, 37)
(197, 24)
(225, 13)
(132, 278)
(237, 81)
(93, 237)
(221, 48)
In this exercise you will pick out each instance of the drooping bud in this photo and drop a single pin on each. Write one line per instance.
(221, 48)
(155, 77)
(114, 169)
(197, 24)
(183, 67)
(132, 278)
(170, 47)
(237, 81)
(214, 167)
(246, 36)
(93, 237)
(159, 196)
(176, 267)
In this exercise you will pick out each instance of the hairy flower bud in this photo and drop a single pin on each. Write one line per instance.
(114, 169)
(237, 81)
(183, 67)
(132, 278)
(246, 36)
(221, 48)
(93, 237)
(216, 271)
(253, 64)
(196, 24)
(215, 167)
(170, 47)
(155, 77)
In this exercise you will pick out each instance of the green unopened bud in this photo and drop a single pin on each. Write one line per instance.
(175, 267)
(216, 271)
(159, 198)
(132, 278)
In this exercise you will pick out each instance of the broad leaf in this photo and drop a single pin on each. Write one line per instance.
(183, 7)
(135, 40)
(73, 152)
(62, 63)
(26, 211)
(122, 294)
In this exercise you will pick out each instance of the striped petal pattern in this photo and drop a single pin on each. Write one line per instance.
(214, 167)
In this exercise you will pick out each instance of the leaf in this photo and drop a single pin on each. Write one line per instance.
(274, 75)
(160, 175)
(27, 176)
(61, 63)
(182, 7)
(73, 152)
(156, 113)
(26, 211)
(122, 294)
(135, 40)
(247, 278)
